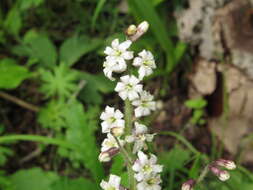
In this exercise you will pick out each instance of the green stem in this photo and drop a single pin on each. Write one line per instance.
(41, 139)
(203, 174)
(129, 125)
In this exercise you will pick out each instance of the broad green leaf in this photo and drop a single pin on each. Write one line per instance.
(118, 165)
(11, 74)
(75, 47)
(13, 22)
(175, 159)
(196, 103)
(26, 4)
(96, 84)
(41, 48)
(32, 179)
(73, 184)
(81, 133)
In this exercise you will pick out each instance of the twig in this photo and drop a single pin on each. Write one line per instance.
(19, 102)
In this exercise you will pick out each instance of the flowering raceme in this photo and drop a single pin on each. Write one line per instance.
(123, 135)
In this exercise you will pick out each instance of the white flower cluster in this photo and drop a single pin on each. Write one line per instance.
(118, 60)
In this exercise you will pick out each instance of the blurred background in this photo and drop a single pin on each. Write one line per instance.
(52, 89)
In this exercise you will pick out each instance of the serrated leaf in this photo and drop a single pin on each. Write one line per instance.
(75, 47)
(32, 179)
(80, 133)
(11, 74)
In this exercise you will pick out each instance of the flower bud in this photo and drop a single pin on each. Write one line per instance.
(143, 26)
(221, 174)
(117, 131)
(228, 164)
(188, 185)
(106, 156)
(131, 30)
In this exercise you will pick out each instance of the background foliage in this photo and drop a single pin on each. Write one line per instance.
(51, 56)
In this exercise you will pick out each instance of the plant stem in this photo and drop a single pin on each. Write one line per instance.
(203, 174)
(129, 125)
(123, 151)
(41, 139)
(19, 102)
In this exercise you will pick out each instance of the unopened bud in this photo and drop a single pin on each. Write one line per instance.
(159, 105)
(131, 30)
(228, 164)
(117, 131)
(188, 185)
(122, 188)
(221, 174)
(106, 156)
(143, 26)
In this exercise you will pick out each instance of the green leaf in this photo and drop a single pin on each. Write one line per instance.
(13, 22)
(41, 48)
(73, 184)
(32, 179)
(61, 82)
(175, 159)
(52, 115)
(75, 47)
(11, 74)
(95, 85)
(196, 103)
(146, 11)
(81, 133)
(26, 4)
(98, 9)
(118, 165)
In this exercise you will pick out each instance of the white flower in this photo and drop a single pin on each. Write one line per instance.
(112, 118)
(110, 142)
(118, 53)
(139, 137)
(146, 63)
(144, 105)
(113, 184)
(129, 87)
(145, 167)
(150, 183)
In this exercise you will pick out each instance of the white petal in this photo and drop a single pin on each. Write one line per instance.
(114, 180)
(142, 157)
(138, 88)
(118, 114)
(128, 55)
(142, 72)
(108, 51)
(125, 45)
(123, 95)
(115, 43)
(137, 62)
(105, 127)
(125, 79)
(138, 112)
(132, 95)
(143, 53)
(109, 110)
(119, 87)
(129, 139)
(133, 80)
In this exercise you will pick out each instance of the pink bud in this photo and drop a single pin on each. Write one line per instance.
(221, 174)
(228, 164)
(106, 156)
(188, 185)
